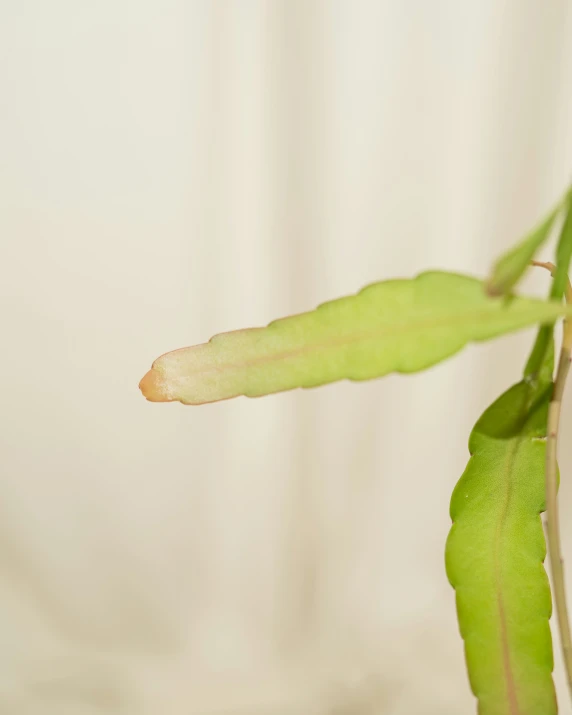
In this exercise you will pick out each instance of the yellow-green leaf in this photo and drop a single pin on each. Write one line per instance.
(393, 326)
(563, 256)
(496, 548)
(510, 267)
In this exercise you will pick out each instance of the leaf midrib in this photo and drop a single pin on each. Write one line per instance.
(395, 329)
(498, 575)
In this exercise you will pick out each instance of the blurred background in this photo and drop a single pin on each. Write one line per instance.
(171, 169)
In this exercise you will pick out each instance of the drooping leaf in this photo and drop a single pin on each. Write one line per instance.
(393, 326)
(496, 549)
(510, 267)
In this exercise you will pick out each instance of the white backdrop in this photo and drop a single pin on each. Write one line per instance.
(171, 169)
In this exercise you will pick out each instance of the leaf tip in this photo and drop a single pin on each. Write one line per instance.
(154, 387)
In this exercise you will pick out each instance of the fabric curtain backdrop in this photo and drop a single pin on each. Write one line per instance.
(172, 169)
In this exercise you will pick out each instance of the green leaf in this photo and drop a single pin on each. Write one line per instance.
(510, 267)
(540, 365)
(496, 549)
(563, 256)
(393, 326)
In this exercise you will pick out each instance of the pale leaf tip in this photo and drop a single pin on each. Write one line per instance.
(154, 387)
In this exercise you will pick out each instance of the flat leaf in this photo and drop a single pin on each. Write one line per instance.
(510, 267)
(393, 326)
(495, 554)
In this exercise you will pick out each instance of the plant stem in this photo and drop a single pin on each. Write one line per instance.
(553, 525)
